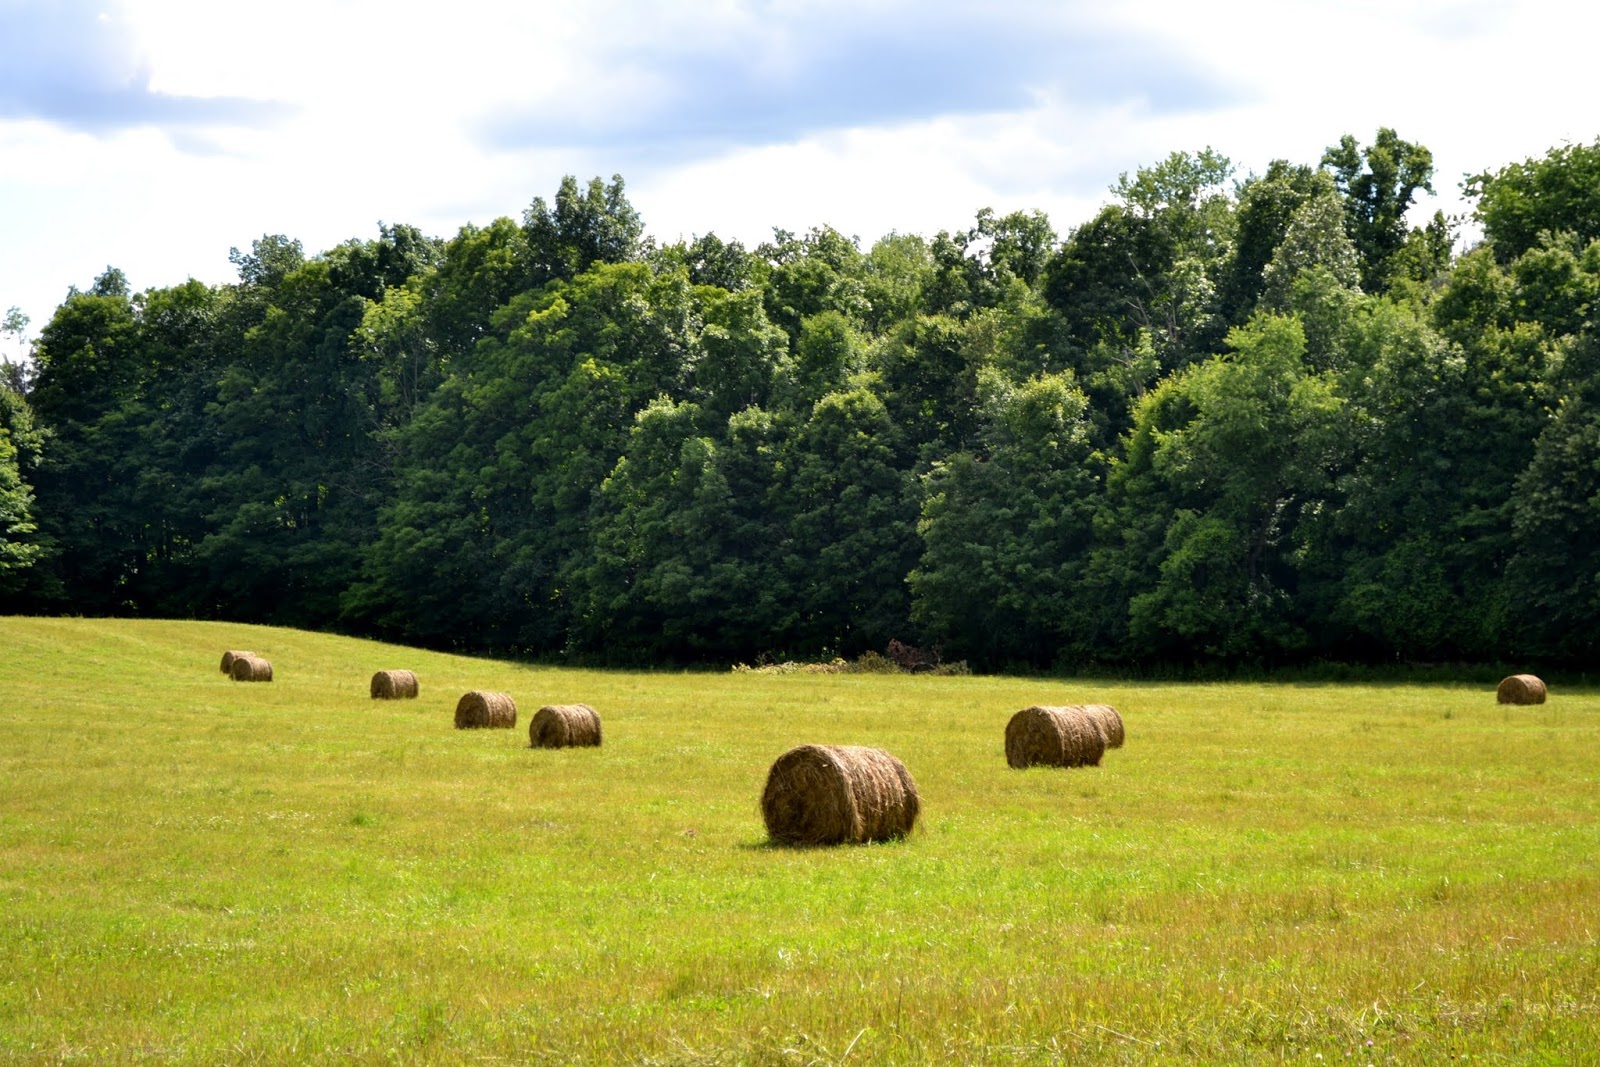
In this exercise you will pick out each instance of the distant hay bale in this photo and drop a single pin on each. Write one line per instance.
(564, 726)
(1066, 736)
(229, 657)
(248, 668)
(394, 685)
(1108, 721)
(494, 710)
(833, 794)
(1520, 689)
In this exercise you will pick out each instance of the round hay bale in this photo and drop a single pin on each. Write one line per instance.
(1520, 689)
(1054, 737)
(833, 794)
(229, 657)
(564, 726)
(493, 710)
(248, 668)
(1108, 722)
(394, 685)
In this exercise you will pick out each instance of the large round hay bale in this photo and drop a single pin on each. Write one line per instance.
(1065, 736)
(1520, 689)
(394, 685)
(494, 710)
(249, 668)
(1108, 722)
(229, 657)
(564, 726)
(833, 794)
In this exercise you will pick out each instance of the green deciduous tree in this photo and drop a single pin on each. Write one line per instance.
(1379, 184)
(1553, 599)
(1441, 433)
(1558, 193)
(1006, 529)
(20, 446)
(1225, 464)
(497, 470)
(581, 229)
(1266, 204)
(849, 510)
(684, 548)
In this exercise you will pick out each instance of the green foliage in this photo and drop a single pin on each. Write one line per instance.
(978, 268)
(849, 510)
(1005, 531)
(20, 548)
(1246, 423)
(1443, 433)
(806, 276)
(1379, 184)
(1225, 464)
(683, 561)
(582, 229)
(900, 272)
(1556, 194)
(1313, 239)
(1554, 575)
(929, 383)
(1266, 205)
(496, 471)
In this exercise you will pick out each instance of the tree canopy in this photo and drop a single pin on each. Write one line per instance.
(1224, 421)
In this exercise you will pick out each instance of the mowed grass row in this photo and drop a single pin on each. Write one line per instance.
(195, 870)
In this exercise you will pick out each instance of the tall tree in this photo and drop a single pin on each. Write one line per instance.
(850, 512)
(1267, 204)
(1225, 463)
(20, 546)
(1379, 184)
(581, 229)
(1553, 601)
(1441, 433)
(1558, 193)
(683, 555)
(92, 369)
(1005, 529)
(497, 471)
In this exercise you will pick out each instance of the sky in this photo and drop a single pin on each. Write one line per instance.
(156, 135)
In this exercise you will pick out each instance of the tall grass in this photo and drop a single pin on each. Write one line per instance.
(198, 871)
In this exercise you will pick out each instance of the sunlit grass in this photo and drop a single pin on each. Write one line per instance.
(196, 870)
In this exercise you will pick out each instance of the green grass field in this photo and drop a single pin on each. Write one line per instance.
(199, 871)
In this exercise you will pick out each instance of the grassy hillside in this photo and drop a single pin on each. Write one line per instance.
(200, 871)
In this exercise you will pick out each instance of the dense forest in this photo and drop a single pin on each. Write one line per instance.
(1254, 420)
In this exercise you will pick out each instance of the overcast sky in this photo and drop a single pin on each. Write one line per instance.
(153, 135)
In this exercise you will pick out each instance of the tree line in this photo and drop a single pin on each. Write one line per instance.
(1228, 420)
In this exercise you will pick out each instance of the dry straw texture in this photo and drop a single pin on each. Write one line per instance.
(564, 726)
(248, 668)
(1054, 737)
(495, 710)
(833, 794)
(1520, 689)
(394, 685)
(229, 657)
(1108, 722)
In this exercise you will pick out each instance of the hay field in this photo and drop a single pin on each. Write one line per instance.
(194, 870)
